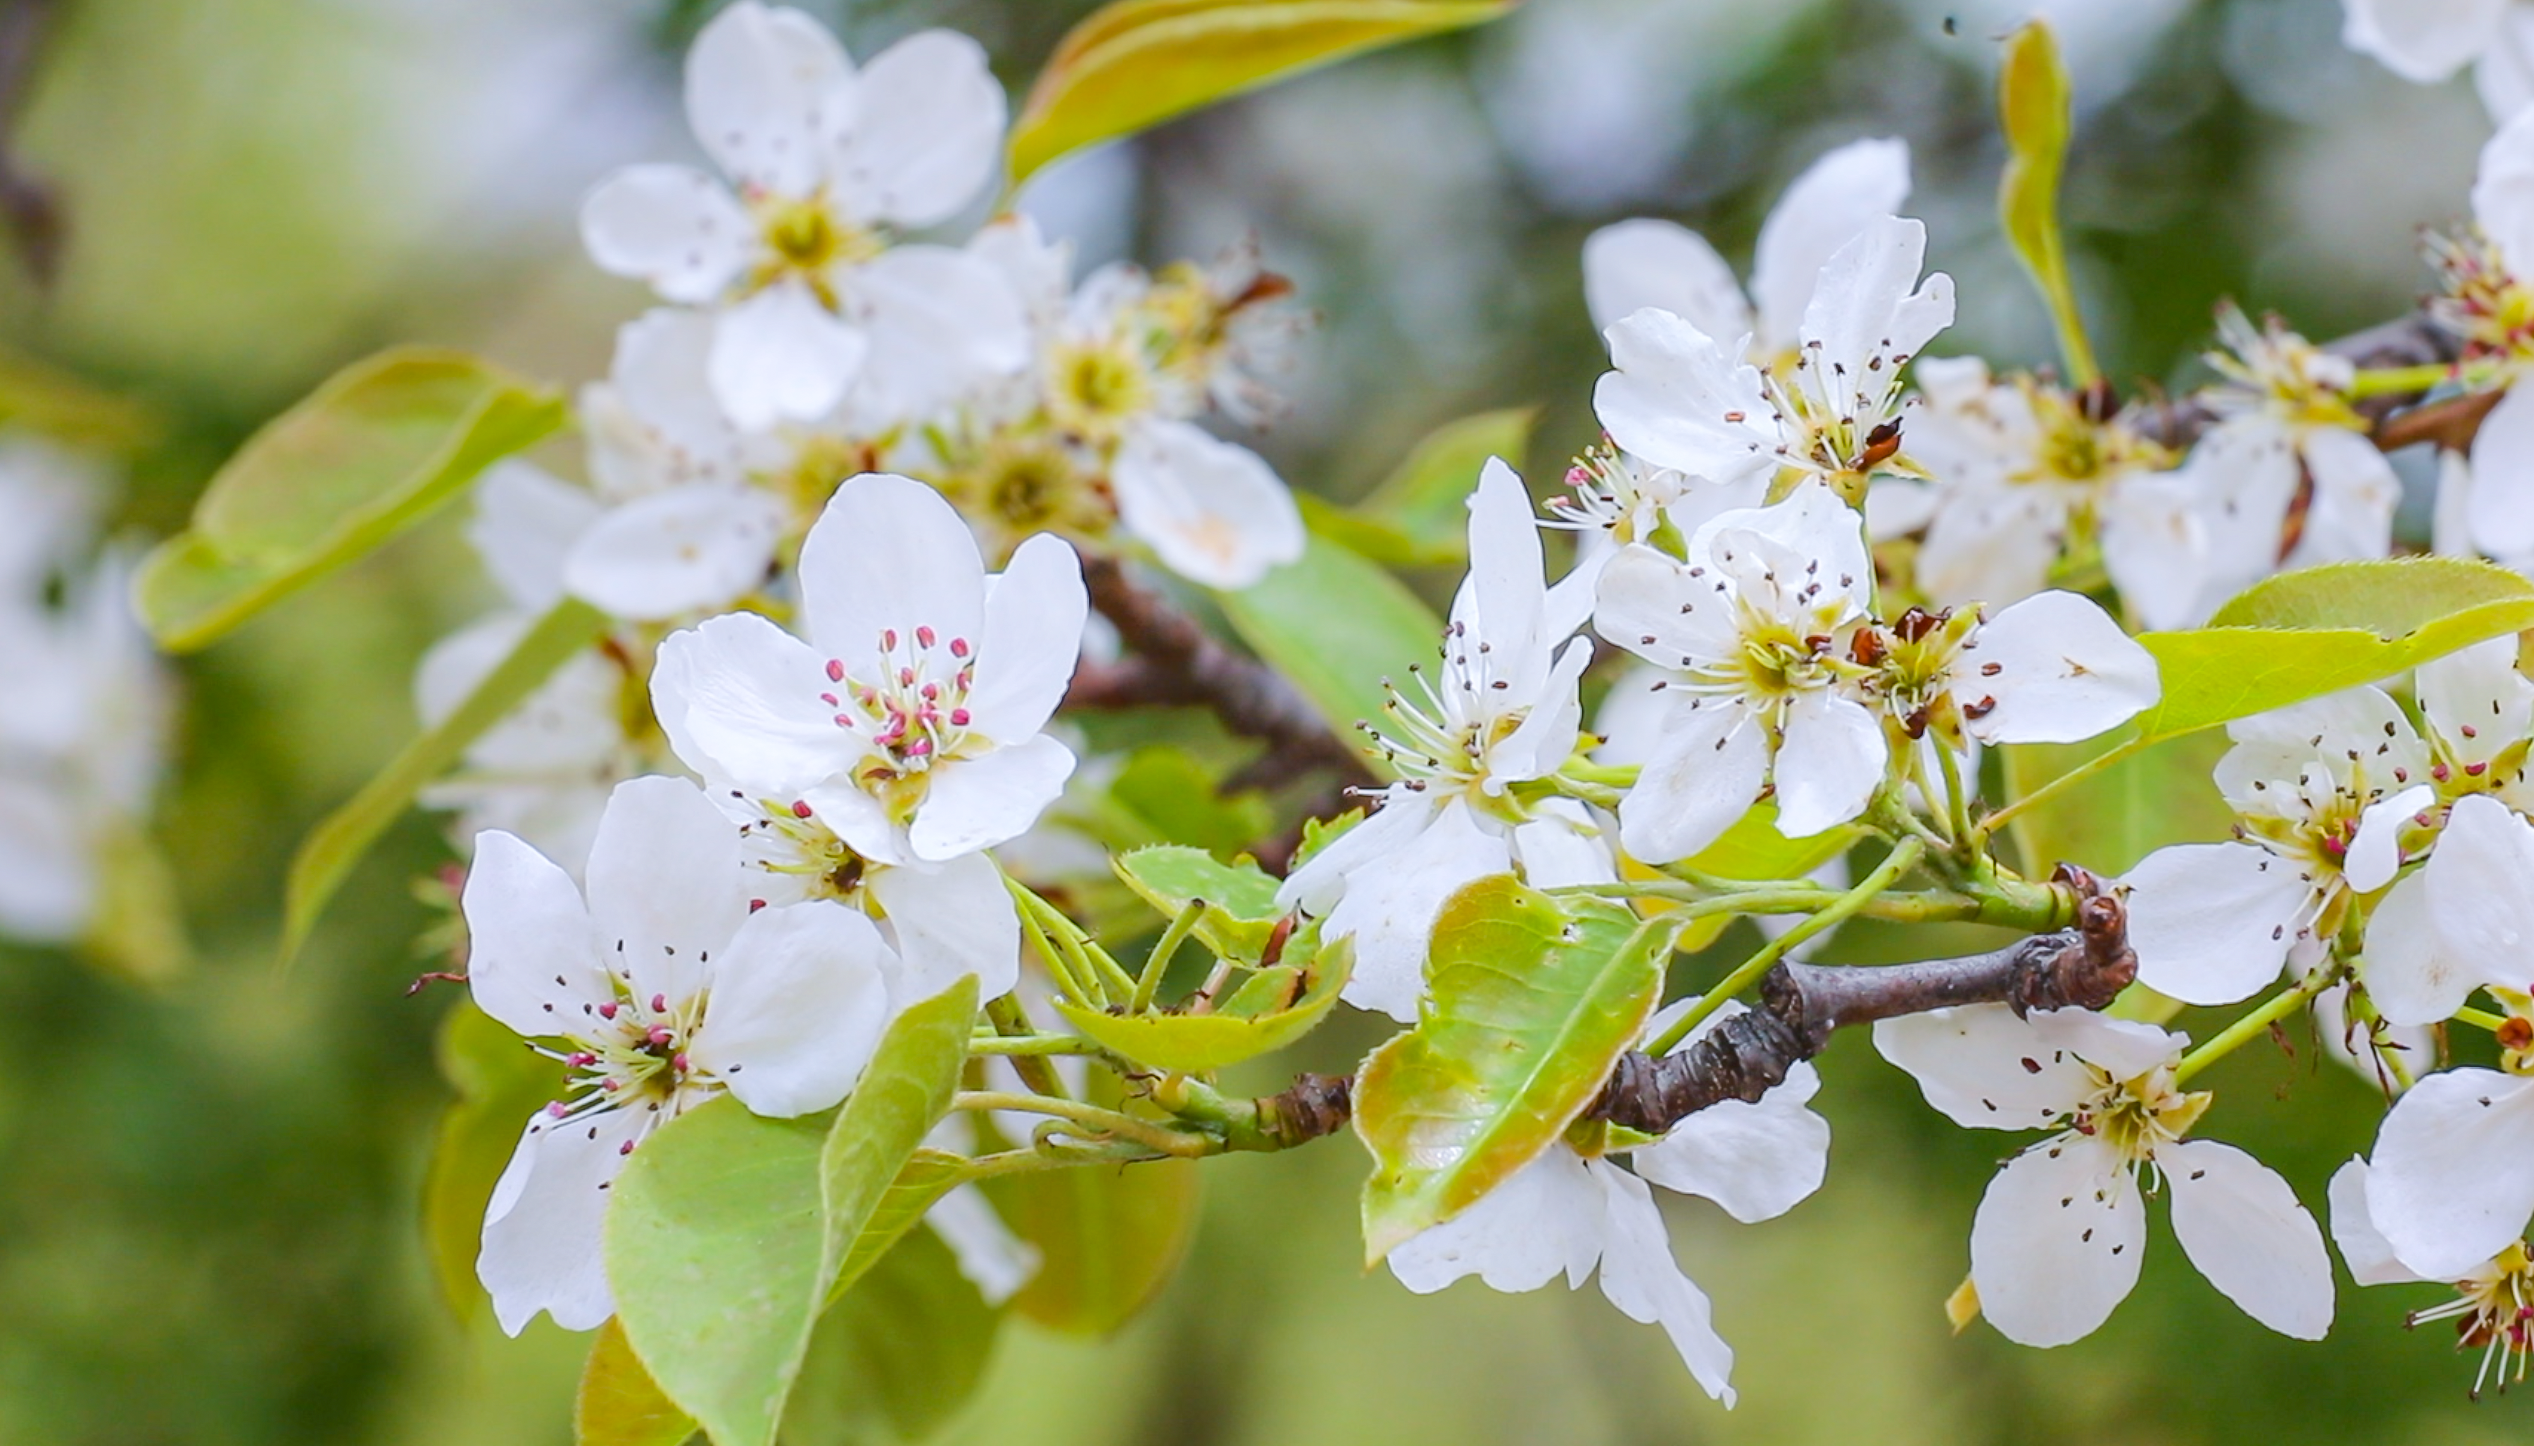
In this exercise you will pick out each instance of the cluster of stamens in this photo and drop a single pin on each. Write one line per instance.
(1612, 492)
(2137, 1117)
(914, 716)
(803, 237)
(1447, 737)
(1836, 423)
(2275, 369)
(629, 1051)
(2478, 300)
(2493, 1309)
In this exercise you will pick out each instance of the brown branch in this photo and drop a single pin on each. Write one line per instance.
(27, 204)
(1801, 1006)
(1175, 661)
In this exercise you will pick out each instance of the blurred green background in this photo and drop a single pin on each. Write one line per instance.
(207, 1190)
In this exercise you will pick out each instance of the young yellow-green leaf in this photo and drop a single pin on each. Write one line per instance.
(899, 1357)
(1531, 1000)
(43, 398)
(715, 1249)
(1178, 798)
(2217, 675)
(1427, 498)
(728, 1230)
(900, 1098)
(368, 454)
(1135, 63)
(618, 1403)
(1336, 625)
(500, 1083)
(2034, 108)
(2390, 597)
(337, 844)
(1108, 1239)
(1272, 1009)
(139, 928)
(2122, 814)
(1240, 899)
(927, 1176)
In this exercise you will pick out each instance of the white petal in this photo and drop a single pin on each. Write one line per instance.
(2411, 976)
(2450, 517)
(2375, 851)
(993, 1259)
(2244, 1229)
(1630, 719)
(2421, 40)
(1832, 760)
(2355, 493)
(950, 921)
(1673, 394)
(1639, 263)
(781, 354)
(760, 85)
(1507, 572)
(2363, 1248)
(1389, 907)
(2481, 892)
(2064, 672)
(665, 888)
(2476, 701)
(2452, 1180)
(2505, 75)
(889, 555)
(1993, 544)
(798, 1005)
(531, 962)
(739, 699)
(1707, 773)
(927, 129)
(1757, 1160)
(2056, 1242)
(48, 880)
(672, 226)
(1561, 846)
(1864, 308)
(1540, 1223)
(1213, 511)
(1318, 885)
(2156, 546)
(1546, 737)
(1983, 1067)
(1641, 1279)
(2124, 1048)
(1034, 615)
(1648, 603)
(941, 322)
(2213, 923)
(541, 1243)
(1837, 197)
(2502, 506)
(686, 550)
(2503, 203)
(976, 803)
(654, 422)
(525, 522)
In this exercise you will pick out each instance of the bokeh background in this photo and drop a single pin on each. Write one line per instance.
(207, 1187)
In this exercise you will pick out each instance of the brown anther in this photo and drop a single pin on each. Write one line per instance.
(1881, 445)
(2515, 1032)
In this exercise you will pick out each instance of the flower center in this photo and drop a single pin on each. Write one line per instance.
(1098, 387)
(911, 708)
(787, 842)
(632, 1051)
(2479, 300)
(804, 237)
(2493, 1309)
(1448, 736)
(2137, 1117)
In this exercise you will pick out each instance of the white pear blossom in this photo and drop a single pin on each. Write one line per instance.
(544, 772)
(658, 990)
(1641, 263)
(2484, 300)
(1565, 1213)
(2451, 1181)
(2058, 1237)
(877, 758)
(2426, 41)
(1503, 711)
(2493, 1308)
(2322, 791)
(826, 163)
(1752, 633)
(2053, 668)
(1682, 398)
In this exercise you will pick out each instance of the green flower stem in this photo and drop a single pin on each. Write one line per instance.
(1091, 963)
(1902, 857)
(1030, 1161)
(1158, 962)
(2480, 1019)
(1988, 827)
(1966, 842)
(1069, 981)
(1011, 1021)
(1032, 1046)
(2279, 1006)
(2391, 381)
(1103, 1123)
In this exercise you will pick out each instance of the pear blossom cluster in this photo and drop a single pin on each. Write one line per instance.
(83, 710)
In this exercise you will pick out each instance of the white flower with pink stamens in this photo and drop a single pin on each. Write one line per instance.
(877, 759)
(658, 990)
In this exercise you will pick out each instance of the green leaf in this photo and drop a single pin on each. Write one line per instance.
(2033, 106)
(1135, 63)
(500, 1083)
(1108, 1240)
(1179, 798)
(337, 844)
(729, 1229)
(1751, 850)
(618, 1403)
(898, 1358)
(2389, 597)
(1241, 911)
(2122, 814)
(928, 1175)
(1275, 1007)
(1336, 625)
(370, 453)
(43, 398)
(1427, 498)
(1529, 1006)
